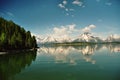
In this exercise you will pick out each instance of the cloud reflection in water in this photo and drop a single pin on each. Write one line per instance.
(72, 54)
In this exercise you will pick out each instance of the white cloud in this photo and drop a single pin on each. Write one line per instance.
(60, 33)
(66, 9)
(116, 36)
(64, 2)
(83, 6)
(77, 2)
(10, 14)
(63, 32)
(67, 14)
(72, 27)
(72, 16)
(6, 13)
(71, 9)
(88, 28)
(68, 31)
(98, 0)
(108, 4)
(61, 5)
(64, 29)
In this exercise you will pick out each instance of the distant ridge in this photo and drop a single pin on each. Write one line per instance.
(82, 38)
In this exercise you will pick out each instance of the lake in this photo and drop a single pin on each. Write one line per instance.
(90, 62)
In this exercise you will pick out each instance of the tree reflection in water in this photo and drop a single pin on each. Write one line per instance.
(14, 63)
(75, 56)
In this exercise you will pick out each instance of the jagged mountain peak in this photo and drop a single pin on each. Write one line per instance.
(85, 37)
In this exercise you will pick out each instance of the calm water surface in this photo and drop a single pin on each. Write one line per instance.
(91, 62)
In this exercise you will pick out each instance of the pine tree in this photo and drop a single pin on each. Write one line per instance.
(12, 36)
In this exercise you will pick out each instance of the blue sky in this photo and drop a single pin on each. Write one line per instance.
(42, 16)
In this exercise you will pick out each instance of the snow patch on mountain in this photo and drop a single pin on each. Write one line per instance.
(87, 37)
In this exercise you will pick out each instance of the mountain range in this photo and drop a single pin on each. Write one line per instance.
(85, 37)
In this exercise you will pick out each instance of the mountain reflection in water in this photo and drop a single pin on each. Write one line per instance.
(70, 54)
(90, 62)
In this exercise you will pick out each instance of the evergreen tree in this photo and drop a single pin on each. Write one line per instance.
(12, 36)
(34, 42)
(3, 40)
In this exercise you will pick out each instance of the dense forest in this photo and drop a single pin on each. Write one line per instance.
(13, 36)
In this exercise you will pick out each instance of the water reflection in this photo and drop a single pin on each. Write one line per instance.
(60, 59)
(14, 63)
(114, 47)
(71, 54)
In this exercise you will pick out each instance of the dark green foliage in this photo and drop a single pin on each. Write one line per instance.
(12, 36)
(14, 62)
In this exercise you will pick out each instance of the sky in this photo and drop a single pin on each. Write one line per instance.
(64, 17)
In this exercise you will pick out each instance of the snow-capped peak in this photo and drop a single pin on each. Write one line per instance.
(87, 37)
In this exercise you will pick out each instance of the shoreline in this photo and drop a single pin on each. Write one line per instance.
(16, 50)
(83, 43)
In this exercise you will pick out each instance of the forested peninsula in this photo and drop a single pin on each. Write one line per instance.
(15, 37)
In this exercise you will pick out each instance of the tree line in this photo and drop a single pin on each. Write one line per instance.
(13, 36)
